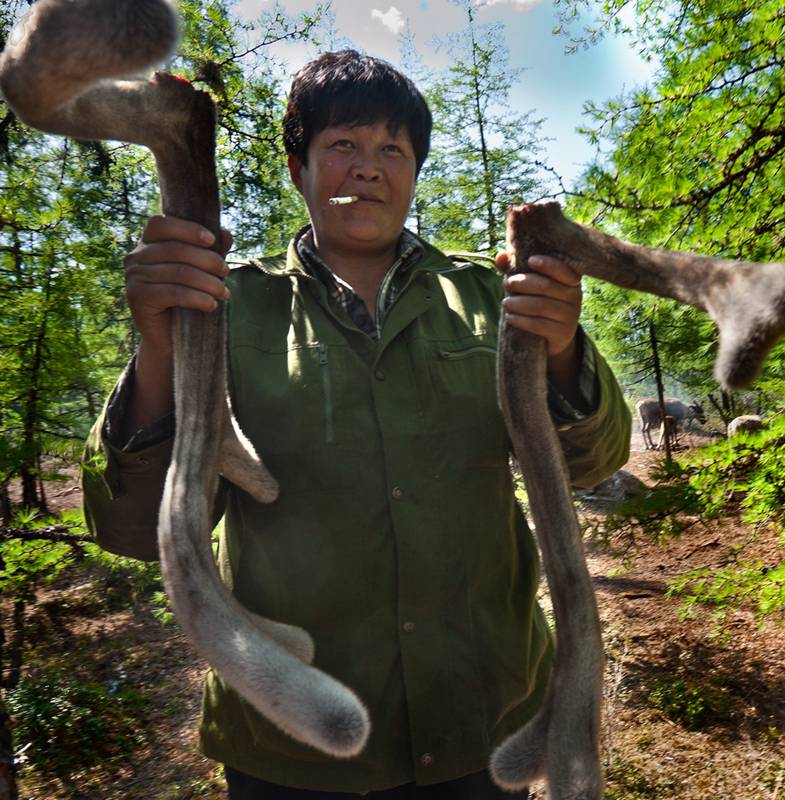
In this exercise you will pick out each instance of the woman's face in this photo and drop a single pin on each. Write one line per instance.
(370, 162)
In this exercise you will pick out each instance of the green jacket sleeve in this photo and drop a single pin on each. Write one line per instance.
(122, 493)
(596, 445)
(123, 486)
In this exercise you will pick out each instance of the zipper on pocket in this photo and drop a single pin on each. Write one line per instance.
(328, 394)
(448, 355)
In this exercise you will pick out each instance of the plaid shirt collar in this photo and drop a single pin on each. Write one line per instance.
(408, 253)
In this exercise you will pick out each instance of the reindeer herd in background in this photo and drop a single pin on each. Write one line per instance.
(69, 69)
(680, 416)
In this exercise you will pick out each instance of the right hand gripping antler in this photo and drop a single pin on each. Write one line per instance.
(61, 73)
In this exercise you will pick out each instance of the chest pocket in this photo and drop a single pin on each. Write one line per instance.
(278, 396)
(463, 376)
(299, 398)
(463, 400)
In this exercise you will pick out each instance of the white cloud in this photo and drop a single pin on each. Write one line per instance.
(392, 19)
(518, 5)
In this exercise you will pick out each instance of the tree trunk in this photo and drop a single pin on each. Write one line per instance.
(17, 254)
(8, 787)
(660, 392)
(29, 485)
(729, 406)
(493, 235)
(43, 505)
(725, 406)
(5, 504)
(92, 411)
(30, 446)
(10, 671)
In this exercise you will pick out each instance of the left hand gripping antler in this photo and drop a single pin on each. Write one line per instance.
(61, 72)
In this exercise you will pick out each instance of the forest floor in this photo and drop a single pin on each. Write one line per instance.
(694, 709)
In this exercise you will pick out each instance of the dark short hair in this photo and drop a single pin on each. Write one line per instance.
(346, 87)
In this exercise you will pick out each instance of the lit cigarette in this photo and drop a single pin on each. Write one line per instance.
(343, 201)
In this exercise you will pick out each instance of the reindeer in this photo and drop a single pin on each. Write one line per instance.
(61, 73)
(746, 423)
(649, 412)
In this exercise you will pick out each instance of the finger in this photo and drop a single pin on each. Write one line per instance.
(170, 252)
(161, 227)
(536, 284)
(554, 268)
(157, 298)
(556, 334)
(543, 307)
(143, 276)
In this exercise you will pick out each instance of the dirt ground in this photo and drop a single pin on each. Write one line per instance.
(737, 668)
(740, 755)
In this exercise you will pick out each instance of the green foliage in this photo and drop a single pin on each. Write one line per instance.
(70, 211)
(70, 725)
(162, 610)
(746, 472)
(744, 476)
(29, 562)
(622, 322)
(125, 580)
(728, 588)
(63, 327)
(692, 151)
(26, 562)
(693, 704)
(667, 509)
(774, 780)
(694, 161)
(261, 206)
(626, 781)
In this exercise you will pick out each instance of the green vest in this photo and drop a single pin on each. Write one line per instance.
(396, 540)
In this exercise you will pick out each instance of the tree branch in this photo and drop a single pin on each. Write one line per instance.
(52, 533)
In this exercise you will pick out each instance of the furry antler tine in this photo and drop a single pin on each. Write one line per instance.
(54, 76)
(746, 300)
(562, 741)
(148, 34)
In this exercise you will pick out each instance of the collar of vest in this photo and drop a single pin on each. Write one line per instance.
(288, 264)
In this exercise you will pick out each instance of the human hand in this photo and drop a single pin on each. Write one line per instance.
(546, 301)
(173, 266)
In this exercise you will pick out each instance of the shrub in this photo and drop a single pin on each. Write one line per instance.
(626, 781)
(693, 705)
(70, 725)
(744, 476)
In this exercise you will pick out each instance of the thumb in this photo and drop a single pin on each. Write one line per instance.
(503, 261)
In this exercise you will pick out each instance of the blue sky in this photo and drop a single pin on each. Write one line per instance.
(554, 84)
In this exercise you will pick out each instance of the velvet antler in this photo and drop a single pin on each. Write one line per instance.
(61, 73)
(747, 301)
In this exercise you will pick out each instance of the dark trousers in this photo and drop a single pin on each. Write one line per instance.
(478, 786)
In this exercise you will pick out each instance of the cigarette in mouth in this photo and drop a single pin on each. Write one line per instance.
(343, 201)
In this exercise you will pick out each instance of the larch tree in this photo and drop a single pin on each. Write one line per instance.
(695, 160)
(483, 156)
